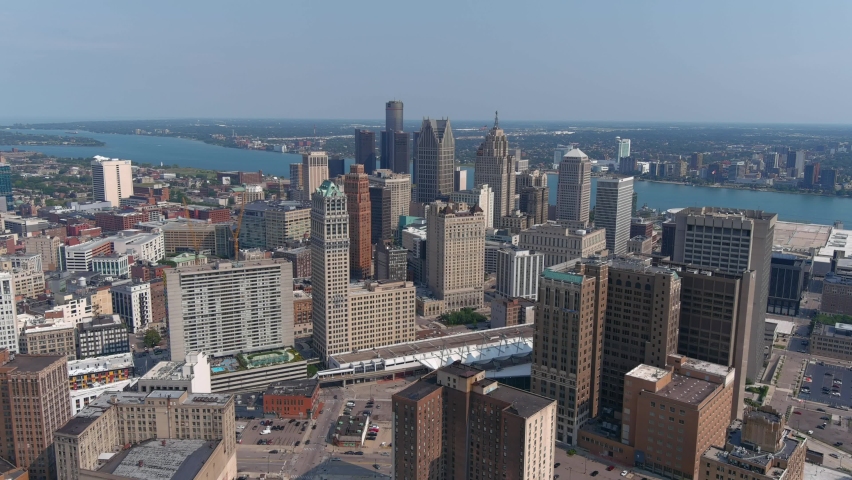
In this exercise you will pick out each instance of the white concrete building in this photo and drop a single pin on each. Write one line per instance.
(481, 196)
(613, 206)
(8, 313)
(78, 258)
(518, 271)
(191, 374)
(132, 302)
(114, 265)
(112, 179)
(139, 244)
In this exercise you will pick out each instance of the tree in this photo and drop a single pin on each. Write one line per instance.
(152, 338)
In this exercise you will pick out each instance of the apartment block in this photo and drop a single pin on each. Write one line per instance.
(183, 235)
(759, 447)
(518, 272)
(671, 416)
(140, 245)
(456, 252)
(112, 265)
(101, 336)
(47, 247)
(28, 283)
(534, 202)
(483, 197)
(613, 204)
(229, 308)
(559, 243)
(381, 219)
(78, 258)
(30, 262)
(8, 313)
(112, 180)
(837, 294)
(455, 423)
(787, 282)
(132, 302)
(640, 245)
(314, 172)
(380, 313)
(732, 241)
(568, 343)
(91, 372)
(103, 426)
(190, 374)
(35, 400)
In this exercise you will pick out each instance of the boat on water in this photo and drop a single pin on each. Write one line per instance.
(73, 132)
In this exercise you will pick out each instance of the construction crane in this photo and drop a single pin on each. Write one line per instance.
(195, 242)
(236, 231)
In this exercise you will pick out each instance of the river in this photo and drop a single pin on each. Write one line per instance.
(192, 153)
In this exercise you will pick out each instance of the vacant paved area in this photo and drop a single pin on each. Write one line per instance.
(823, 386)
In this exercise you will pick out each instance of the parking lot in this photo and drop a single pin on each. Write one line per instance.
(380, 414)
(834, 431)
(284, 433)
(822, 385)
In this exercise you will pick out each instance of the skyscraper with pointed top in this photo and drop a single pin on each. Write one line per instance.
(496, 168)
(436, 157)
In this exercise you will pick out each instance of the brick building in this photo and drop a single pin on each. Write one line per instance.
(118, 221)
(297, 399)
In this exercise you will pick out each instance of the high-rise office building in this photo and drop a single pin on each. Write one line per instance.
(394, 141)
(381, 219)
(36, 402)
(272, 225)
(455, 242)
(518, 271)
(622, 148)
(787, 282)
(828, 178)
(568, 348)
(297, 176)
(455, 423)
(459, 179)
(696, 160)
(336, 166)
(482, 196)
(612, 211)
(534, 202)
(330, 270)
(391, 262)
(796, 159)
(357, 189)
(112, 180)
(732, 241)
(495, 167)
(314, 172)
(642, 313)
(399, 185)
(770, 160)
(560, 244)
(230, 307)
(559, 153)
(47, 247)
(530, 178)
(574, 189)
(811, 178)
(6, 184)
(365, 150)
(436, 156)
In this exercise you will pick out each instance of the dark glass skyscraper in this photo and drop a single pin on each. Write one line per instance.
(365, 150)
(393, 116)
(6, 184)
(394, 142)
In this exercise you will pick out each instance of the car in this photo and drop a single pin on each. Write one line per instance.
(810, 432)
(335, 397)
(624, 473)
(349, 452)
(379, 406)
(833, 455)
(273, 452)
(350, 404)
(308, 441)
(322, 411)
(826, 418)
(797, 412)
(260, 442)
(335, 459)
(298, 423)
(821, 427)
(368, 412)
(292, 420)
(610, 468)
(820, 410)
(313, 427)
(359, 453)
(835, 394)
(298, 442)
(838, 444)
(594, 474)
(377, 466)
(557, 465)
(254, 427)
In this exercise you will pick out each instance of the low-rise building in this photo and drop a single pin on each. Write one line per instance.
(171, 458)
(837, 294)
(112, 265)
(758, 447)
(102, 428)
(292, 399)
(834, 342)
(192, 374)
(350, 430)
(254, 371)
(507, 312)
(139, 244)
(91, 372)
(641, 245)
(303, 305)
(39, 336)
(301, 259)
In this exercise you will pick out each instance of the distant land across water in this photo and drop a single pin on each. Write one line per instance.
(191, 153)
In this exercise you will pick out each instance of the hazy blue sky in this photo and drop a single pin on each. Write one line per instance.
(741, 61)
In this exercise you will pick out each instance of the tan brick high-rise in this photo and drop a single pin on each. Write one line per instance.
(35, 400)
(456, 254)
(357, 189)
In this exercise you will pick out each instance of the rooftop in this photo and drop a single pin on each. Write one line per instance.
(96, 408)
(575, 153)
(800, 236)
(301, 388)
(351, 426)
(100, 364)
(706, 367)
(461, 370)
(161, 459)
(279, 206)
(648, 372)
(421, 388)
(838, 240)
(835, 279)
(553, 273)
(524, 404)
(689, 390)
(724, 212)
(32, 363)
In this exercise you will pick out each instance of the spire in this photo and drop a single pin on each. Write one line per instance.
(496, 123)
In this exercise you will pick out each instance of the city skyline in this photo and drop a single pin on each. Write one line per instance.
(696, 78)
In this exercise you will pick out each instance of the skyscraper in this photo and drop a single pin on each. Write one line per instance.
(696, 160)
(574, 189)
(357, 188)
(365, 150)
(455, 423)
(297, 176)
(394, 140)
(460, 179)
(482, 196)
(642, 313)
(746, 238)
(330, 270)
(314, 172)
(455, 242)
(568, 348)
(399, 185)
(613, 203)
(496, 168)
(8, 313)
(518, 271)
(35, 400)
(436, 156)
(112, 180)
(230, 307)
(534, 203)
(622, 148)
(6, 184)
(381, 219)
(811, 179)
